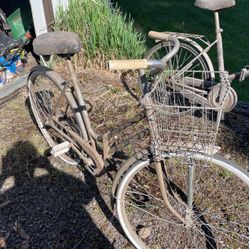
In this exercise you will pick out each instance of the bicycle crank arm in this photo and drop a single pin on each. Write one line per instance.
(195, 82)
(244, 74)
(195, 97)
(241, 76)
(189, 84)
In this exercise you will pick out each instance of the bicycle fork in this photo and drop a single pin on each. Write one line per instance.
(187, 221)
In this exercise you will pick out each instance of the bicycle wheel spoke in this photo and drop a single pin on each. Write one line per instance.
(154, 185)
(217, 220)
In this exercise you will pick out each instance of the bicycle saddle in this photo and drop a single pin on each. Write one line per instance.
(60, 43)
(214, 5)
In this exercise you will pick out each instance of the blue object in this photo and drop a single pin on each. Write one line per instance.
(10, 64)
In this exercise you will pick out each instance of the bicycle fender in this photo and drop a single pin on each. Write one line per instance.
(141, 155)
(39, 68)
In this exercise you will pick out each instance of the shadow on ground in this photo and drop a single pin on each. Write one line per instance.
(234, 135)
(44, 207)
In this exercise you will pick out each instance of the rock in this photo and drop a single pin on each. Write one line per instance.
(144, 233)
(228, 156)
(8, 184)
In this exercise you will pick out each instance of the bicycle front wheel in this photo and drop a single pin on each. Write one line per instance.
(54, 109)
(220, 207)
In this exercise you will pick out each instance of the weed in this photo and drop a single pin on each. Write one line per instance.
(226, 174)
(129, 150)
(39, 143)
(20, 109)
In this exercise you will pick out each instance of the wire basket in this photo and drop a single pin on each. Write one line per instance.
(184, 111)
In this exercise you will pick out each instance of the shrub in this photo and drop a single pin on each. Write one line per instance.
(105, 32)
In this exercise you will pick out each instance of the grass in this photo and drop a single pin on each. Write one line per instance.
(39, 143)
(104, 31)
(22, 112)
(183, 16)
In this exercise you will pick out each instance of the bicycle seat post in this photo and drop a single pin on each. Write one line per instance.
(220, 53)
(71, 71)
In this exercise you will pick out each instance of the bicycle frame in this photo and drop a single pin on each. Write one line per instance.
(103, 146)
(220, 52)
(109, 143)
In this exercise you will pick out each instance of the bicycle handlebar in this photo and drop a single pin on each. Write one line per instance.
(127, 64)
(159, 36)
(143, 63)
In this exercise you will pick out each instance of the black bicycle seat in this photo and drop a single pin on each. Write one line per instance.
(214, 5)
(60, 43)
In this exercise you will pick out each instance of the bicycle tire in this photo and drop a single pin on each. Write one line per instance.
(188, 50)
(46, 88)
(148, 226)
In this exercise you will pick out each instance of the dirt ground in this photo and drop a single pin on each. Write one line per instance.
(44, 203)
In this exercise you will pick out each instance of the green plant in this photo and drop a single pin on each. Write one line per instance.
(105, 32)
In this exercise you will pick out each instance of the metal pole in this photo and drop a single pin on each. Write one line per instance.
(189, 211)
(220, 53)
(190, 185)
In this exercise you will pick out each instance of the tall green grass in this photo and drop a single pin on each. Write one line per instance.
(105, 32)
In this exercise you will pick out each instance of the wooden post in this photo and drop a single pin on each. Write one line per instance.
(49, 13)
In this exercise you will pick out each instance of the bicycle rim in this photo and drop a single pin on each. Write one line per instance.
(185, 54)
(49, 103)
(220, 207)
(202, 66)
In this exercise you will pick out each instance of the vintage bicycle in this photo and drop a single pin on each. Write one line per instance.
(193, 55)
(179, 193)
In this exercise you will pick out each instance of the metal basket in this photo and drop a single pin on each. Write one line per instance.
(184, 110)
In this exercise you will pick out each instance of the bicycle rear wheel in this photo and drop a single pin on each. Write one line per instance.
(201, 68)
(54, 110)
(186, 53)
(219, 217)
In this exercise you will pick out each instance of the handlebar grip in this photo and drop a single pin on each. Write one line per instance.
(127, 64)
(158, 35)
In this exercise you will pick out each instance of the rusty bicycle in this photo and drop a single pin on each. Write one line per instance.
(177, 194)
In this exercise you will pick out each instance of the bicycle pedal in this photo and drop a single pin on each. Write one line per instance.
(60, 149)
